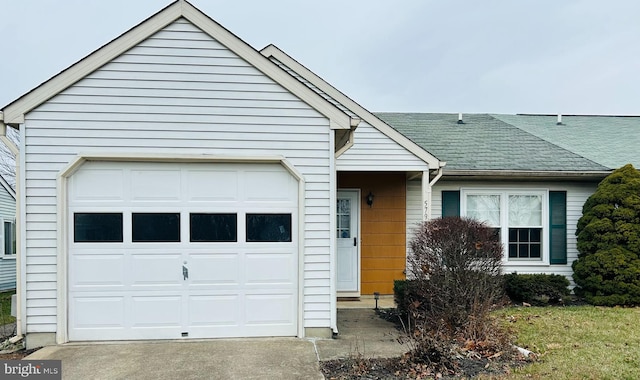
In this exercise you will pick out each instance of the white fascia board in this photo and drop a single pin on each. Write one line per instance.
(371, 119)
(14, 112)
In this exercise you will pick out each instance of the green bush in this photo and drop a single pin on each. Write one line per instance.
(607, 271)
(536, 289)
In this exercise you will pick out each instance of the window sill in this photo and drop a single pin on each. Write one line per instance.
(8, 257)
(525, 262)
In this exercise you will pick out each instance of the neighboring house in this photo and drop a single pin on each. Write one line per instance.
(526, 175)
(177, 183)
(7, 236)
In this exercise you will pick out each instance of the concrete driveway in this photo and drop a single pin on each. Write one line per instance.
(361, 333)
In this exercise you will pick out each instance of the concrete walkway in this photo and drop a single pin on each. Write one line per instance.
(361, 333)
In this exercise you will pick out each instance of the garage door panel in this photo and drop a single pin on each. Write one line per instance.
(261, 309)
(269, 268)
(214, 310)
(269, 186)
(214, 269)
(151, 311)
(98, 312)
(97, 270)
(212, 186)
(156, 270)
(155, 185)
(97, 185)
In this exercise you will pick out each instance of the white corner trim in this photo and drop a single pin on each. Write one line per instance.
(274, 51)
(62, 332)
(14, 112)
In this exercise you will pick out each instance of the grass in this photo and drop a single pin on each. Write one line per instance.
(577, 342)
(5, 308)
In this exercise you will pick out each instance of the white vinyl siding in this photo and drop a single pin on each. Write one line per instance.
(577, 194)
(374, 151)
(178, 92)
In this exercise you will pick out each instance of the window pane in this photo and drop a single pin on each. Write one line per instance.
(161, 227)
(269, 227)
(485, 208)
(9, 238)
(535, 234)
(343, 217)
(513, 250)
(523, 234)
(525, 210)
(97, 227)
(213, 227)
(534, 251)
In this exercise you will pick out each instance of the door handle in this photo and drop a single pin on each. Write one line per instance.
(185, 272)
(355, 242)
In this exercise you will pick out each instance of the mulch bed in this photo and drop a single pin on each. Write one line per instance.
(465, 365)
(18, 355)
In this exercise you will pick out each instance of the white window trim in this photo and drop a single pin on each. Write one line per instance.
(504, 219)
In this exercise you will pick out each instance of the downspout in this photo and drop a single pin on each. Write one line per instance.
(14, 150)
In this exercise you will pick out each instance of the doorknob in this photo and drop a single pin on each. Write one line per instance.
(185, 272)
(355, 241)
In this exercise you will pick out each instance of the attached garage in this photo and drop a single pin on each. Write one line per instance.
(174, 250)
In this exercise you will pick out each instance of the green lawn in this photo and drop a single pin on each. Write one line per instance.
(577, 342)
(5, 308)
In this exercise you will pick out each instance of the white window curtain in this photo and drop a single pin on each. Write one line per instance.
(525, 210)
(485, 208)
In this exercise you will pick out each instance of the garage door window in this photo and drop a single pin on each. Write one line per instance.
(155, 227)
(268, 227)
(213, 228)
(97, 228)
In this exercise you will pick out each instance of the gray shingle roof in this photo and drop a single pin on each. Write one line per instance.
(612, 141)
(485, 142)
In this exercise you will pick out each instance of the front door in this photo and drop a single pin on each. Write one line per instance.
(348, 241)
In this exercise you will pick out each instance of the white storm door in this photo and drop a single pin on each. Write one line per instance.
(347, 241)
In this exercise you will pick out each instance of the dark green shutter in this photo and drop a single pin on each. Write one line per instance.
(558, 227)
(450, 203)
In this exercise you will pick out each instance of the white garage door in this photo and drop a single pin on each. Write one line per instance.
(171, 250)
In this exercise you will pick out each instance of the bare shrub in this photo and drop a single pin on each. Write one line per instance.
(455, 272)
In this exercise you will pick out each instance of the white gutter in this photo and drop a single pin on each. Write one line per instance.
(16, 152)
(527, 173)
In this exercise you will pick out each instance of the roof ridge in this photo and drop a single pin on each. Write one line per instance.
(550, 142)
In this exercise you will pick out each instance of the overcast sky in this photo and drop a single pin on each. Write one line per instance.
(503, 56)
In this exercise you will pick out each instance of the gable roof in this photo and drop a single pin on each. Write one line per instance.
(612, 141)
(345, 103)
(14, 112)
(483, 143)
